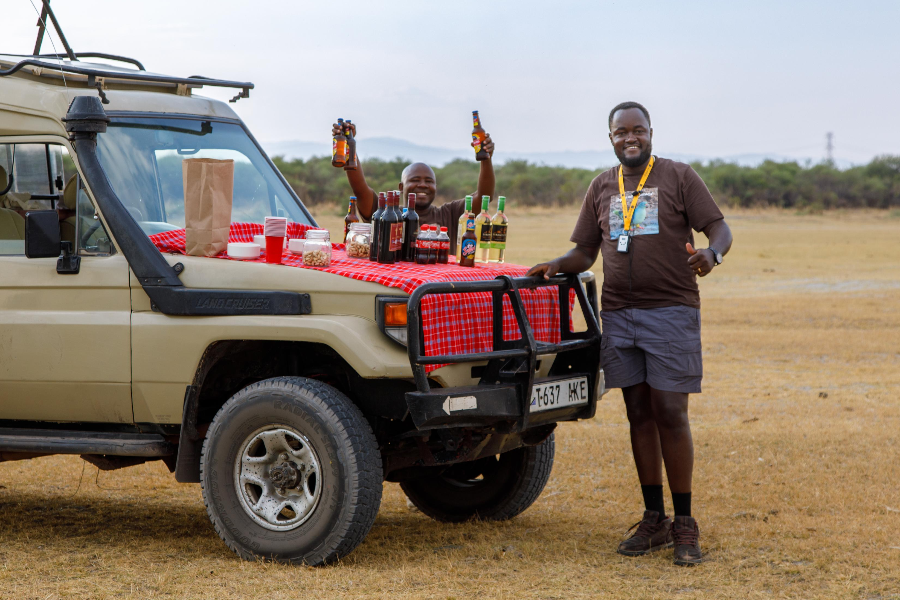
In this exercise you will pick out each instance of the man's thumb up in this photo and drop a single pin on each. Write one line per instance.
(690, 249)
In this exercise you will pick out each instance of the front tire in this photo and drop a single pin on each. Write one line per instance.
(495, 488)
(291, 471)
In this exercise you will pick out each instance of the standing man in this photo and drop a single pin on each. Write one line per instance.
(419, 179)
(640, 216)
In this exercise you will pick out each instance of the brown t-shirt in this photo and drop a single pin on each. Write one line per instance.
(655, 272)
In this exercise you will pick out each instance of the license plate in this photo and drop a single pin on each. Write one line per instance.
(556, 394)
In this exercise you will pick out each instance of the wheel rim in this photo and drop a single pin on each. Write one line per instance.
(277, 477)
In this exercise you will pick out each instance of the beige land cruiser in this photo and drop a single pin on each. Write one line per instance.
(280, 391)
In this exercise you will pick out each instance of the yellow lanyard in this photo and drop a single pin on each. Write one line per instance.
(628, 212)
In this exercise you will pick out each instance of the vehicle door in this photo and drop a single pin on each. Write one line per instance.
(65, 345)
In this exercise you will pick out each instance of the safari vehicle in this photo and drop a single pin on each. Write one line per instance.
(289, 394)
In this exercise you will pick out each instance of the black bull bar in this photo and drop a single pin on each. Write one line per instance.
(503, 394)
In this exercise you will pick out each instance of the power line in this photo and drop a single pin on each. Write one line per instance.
(829, 147)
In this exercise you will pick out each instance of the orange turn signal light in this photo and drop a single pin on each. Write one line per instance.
(395, 315)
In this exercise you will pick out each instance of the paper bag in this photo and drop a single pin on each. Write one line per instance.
(208, 192)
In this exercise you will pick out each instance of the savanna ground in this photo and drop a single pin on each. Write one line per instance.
(796, 481)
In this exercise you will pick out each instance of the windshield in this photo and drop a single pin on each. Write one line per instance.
(142, 160)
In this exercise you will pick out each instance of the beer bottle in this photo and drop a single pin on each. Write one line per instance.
(461, 228)
(478, 137)
(443, 241)
(351, 217)
(422, 246)
(410, 230)
(376, 226)
(499, 224)
(483, 231)
(339, 147)
(468, 245)
(351, 147)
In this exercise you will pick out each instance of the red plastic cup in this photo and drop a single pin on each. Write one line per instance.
(274, 247)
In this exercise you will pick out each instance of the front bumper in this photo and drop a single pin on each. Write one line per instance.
(502, 398)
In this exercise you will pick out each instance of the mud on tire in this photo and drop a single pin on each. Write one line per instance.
(495, 488)
(290, 471)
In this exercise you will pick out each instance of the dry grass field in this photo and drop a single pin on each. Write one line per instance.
(797, 482)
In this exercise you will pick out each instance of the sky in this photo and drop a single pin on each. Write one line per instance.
(719, 78)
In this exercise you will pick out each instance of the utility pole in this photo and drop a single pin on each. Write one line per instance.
(829, 147)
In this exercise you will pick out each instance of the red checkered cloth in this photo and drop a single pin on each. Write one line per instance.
(452, 323)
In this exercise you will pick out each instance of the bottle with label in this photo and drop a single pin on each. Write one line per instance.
(468, 246)
(376, 226)
(443, 250)
(422, 246)
(499, 224)
(461, 228)
(431, 244)
(483, 231)
(351, 217)
(410, 230)
(390, 238)
(352, 163)
(478, 136)
(339, 147)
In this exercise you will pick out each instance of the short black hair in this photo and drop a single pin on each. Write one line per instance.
(625, 106)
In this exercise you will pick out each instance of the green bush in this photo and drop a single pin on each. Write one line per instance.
(783, 185)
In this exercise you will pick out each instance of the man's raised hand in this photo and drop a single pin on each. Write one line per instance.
(487, 144)
(700, 262)
(336, 129)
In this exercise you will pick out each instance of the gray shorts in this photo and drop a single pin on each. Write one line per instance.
(658, 345)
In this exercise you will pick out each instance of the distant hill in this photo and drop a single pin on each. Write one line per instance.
(387, 148)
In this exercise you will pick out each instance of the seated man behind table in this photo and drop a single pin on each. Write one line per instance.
(418, 178)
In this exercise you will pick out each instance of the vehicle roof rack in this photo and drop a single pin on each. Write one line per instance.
(114, 57)
(95, 71)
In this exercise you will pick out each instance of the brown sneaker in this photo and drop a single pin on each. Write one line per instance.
(652, 534)
(687, 542)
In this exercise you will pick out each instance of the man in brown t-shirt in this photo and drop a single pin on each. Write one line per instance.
(641, 216)
(419, 179)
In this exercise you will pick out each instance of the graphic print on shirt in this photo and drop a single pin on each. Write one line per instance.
(644, 221)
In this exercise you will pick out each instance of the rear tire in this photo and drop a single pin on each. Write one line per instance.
(495, 488)
(290, 471)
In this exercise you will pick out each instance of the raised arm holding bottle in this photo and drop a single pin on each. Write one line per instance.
(419, 179)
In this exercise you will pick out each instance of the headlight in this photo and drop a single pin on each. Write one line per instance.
(390, 314)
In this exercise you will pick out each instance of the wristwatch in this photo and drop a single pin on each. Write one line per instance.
(717, 256)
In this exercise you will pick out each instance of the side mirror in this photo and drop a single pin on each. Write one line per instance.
(41, 234)
(42, 240)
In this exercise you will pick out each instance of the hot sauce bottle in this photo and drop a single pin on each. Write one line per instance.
(499, 224)
(467, 247)
(483, 231)
(339, 147)
(461, 229)
(351, 147)
(351, 217)
(478, 136)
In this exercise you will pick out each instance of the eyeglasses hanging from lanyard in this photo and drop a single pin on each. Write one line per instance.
(628, 211)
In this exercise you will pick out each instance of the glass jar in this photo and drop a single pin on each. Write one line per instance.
(358, 239)
(317, 249)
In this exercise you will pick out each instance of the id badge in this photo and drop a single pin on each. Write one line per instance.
(623, 244)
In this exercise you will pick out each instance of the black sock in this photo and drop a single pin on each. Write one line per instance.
(682, 504)
(653, 498)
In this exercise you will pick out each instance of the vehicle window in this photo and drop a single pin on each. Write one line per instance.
(142, 159)
(32, 177)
